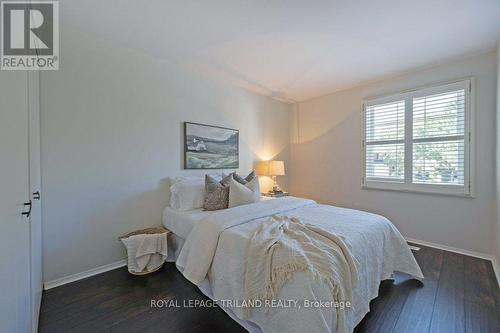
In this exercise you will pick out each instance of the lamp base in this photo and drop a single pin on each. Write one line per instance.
(276, 187)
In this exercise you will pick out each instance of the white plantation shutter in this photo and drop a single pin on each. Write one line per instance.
(439, 138)
(419, 140)
(384, 130)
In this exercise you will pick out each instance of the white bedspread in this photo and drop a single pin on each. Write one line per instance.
(181, 222)
(218, 247)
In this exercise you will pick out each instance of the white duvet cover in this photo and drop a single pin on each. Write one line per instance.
(215, 251)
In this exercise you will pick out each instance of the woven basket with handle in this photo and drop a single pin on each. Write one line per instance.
(147, 231)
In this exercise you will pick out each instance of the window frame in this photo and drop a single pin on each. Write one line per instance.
(466, 190)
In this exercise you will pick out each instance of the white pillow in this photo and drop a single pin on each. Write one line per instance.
(174, 198)
(240, 194)
(187, 194)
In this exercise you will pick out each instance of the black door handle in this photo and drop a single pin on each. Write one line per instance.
(28, 213)
(36, 195)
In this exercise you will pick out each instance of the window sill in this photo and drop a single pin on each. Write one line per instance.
(402, 188)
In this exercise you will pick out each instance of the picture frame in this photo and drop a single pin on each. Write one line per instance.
(210, 147)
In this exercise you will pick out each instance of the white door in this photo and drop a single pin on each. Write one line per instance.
(35, 190)
(15, 282)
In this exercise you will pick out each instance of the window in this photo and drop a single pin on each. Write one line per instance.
(419, 140)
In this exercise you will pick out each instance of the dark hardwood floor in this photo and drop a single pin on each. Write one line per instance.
(460, 295)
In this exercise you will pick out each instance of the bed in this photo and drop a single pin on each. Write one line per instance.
(209, 248)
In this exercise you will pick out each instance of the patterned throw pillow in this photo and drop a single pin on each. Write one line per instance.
(216, 193)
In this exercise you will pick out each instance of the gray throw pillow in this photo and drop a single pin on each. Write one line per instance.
(242, 180)
(216, 193)
(227, 179)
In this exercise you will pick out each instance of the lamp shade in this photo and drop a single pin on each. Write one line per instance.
(271, 168)
(276, 168)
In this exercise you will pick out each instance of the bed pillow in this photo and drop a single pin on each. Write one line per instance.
(242, 194)
(216, 193)
(178, 185)
(174, 198)
(187, 194)
(242, 180)
(175, 188)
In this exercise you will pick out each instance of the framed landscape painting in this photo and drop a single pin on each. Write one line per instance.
(210, 147)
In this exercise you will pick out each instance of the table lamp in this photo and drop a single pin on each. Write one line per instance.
(273, 169)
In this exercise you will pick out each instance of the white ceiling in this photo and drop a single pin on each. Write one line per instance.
(294, 50)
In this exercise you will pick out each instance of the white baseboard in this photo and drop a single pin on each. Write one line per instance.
(451, 249)
(82, 275)
(475, 254)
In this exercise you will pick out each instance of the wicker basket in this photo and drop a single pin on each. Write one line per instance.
(147, 231)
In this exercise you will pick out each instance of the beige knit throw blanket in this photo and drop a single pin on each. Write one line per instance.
(282, 245)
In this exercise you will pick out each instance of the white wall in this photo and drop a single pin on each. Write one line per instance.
(496, 240)
(326, 159)
(112, 132)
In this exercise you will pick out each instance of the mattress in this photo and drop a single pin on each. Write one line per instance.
(181, 222)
